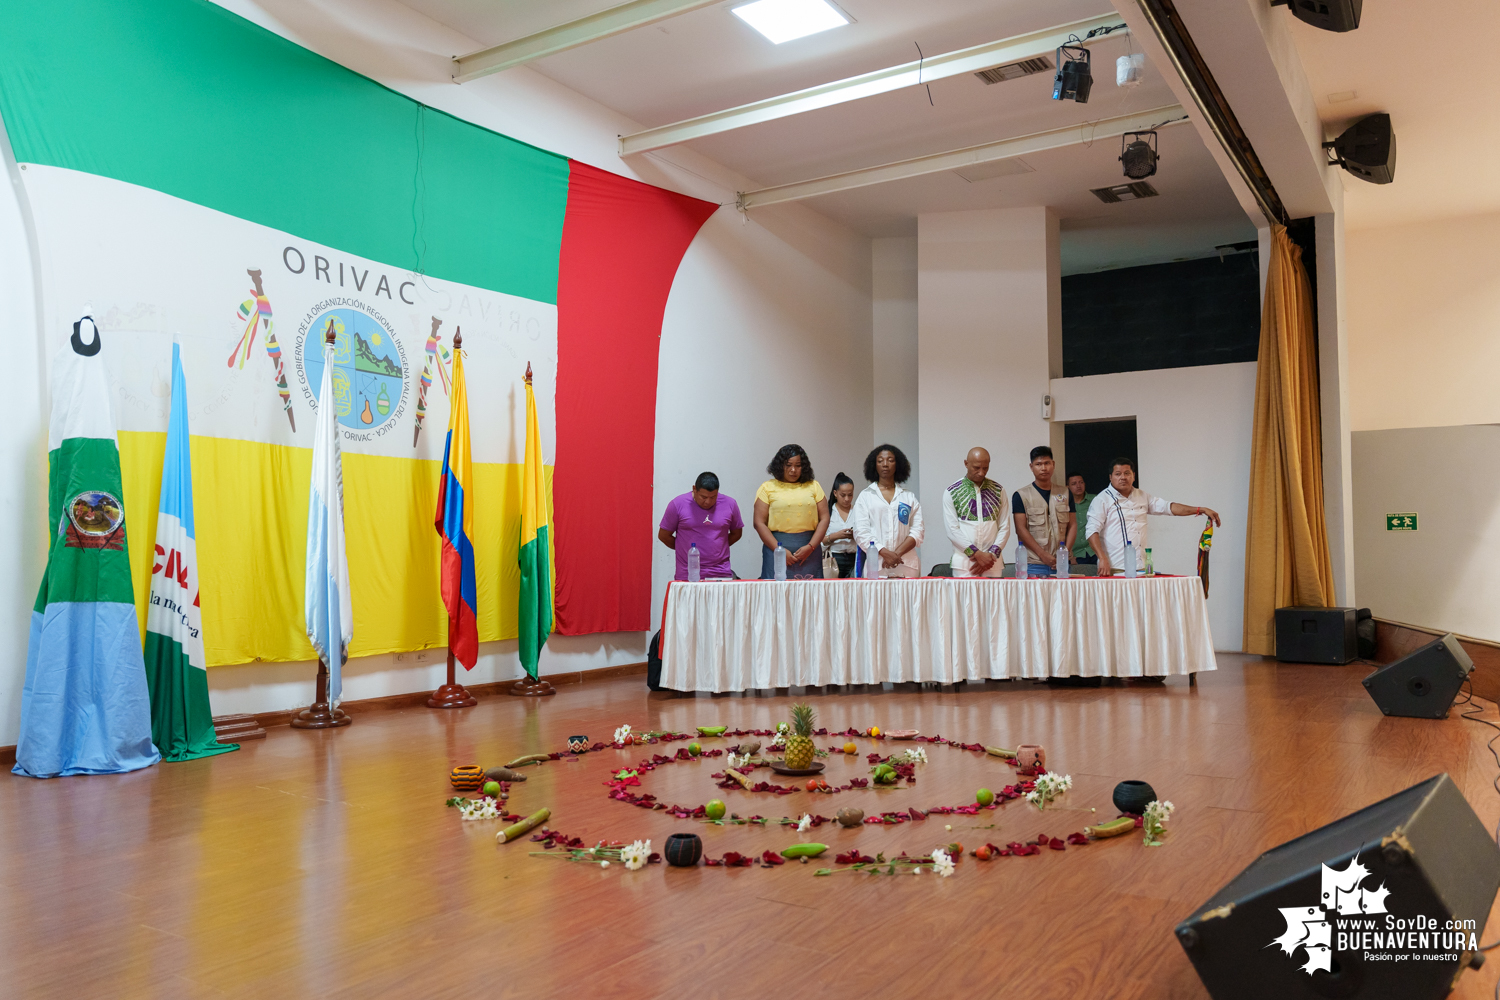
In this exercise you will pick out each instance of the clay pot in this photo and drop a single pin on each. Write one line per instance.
(578, 744)
(850, 817)
(466, 777)
(1133, 797)
(1031, 757)
(683, 850)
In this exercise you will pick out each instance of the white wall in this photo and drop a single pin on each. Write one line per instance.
(988, 305)
(1193, 429)
(1424, 323)
(766, 339)
(23, 447)
(1443, 574)
(894, 260)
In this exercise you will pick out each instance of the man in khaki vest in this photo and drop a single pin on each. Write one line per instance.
(1043, 514)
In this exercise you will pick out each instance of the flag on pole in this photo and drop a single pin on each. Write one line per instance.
(182, 725)
(85, 708)
(455, 521)
(535, 609)
(330, 618)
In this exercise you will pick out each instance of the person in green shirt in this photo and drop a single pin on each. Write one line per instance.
(1076, 486)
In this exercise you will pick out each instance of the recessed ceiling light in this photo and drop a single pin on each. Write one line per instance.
(784, 20)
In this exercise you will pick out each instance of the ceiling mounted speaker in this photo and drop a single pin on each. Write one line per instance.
(1330, 15)
(1367, 149)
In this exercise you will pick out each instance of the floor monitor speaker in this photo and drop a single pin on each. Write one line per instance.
(1385, 904)
(1317, 635)
(1423, 683)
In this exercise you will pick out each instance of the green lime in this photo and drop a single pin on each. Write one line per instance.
(984, 797)
(715, 809)
(492, 789)
(694, 749)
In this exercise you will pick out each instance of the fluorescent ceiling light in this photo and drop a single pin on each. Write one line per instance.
(784, 20)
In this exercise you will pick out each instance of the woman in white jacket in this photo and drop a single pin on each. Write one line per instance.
(888, 516)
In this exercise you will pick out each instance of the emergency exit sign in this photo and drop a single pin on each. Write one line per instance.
(1401, 522)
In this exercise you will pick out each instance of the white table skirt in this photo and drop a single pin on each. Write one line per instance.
(761, 634)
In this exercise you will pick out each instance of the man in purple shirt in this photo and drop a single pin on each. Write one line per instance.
(706, 519)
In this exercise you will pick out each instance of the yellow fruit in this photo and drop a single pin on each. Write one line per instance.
(799, 745)
(874, 730)
(850, 747)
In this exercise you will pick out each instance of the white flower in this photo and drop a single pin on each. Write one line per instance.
(736, 760)
(941, 863)
(1048, 787)
(779, 740)
(917, 870)
(914, 755)
(804, 823)
(622, 732)
(635, 855)
(604, 864)
(782, 727)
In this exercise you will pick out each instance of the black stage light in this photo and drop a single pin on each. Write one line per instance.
(1139, 156)
(1330, 15)
(1074, 77)
(1367, 149)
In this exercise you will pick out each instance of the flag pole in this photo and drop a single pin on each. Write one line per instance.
(533, 634)
(319, 715)
(452, 694)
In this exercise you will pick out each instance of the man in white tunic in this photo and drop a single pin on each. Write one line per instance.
(1118, 514)
(888, 516)
(976, 516)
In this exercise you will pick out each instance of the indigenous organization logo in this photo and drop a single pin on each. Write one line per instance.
(94, 519)
(369, 366)
(1352, 918)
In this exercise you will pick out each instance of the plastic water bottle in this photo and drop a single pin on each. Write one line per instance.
(1021, 570)
(778, 559)
(1150, 567)
(1130, 560)
(1062, 562)
(692, 563)
(872, 562)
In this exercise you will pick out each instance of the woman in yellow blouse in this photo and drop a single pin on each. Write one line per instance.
(791, 512)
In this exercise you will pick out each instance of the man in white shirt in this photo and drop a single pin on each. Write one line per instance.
(1118, 514)
(976, 517)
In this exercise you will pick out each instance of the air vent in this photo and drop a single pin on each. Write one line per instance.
(1124, 192)
(1016, 70)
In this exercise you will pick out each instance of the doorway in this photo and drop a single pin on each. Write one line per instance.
(1090, 447)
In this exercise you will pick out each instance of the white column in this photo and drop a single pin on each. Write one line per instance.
(988, 314)
(894, 273)
(1333, 389)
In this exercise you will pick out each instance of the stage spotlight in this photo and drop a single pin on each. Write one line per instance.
(1330, 15)
(1074, 77)
(1138, 156)
(1367, 149)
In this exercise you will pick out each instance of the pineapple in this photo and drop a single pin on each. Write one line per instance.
(799, 745)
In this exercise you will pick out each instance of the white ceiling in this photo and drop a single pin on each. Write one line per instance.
(709, 60)
(1430, 66)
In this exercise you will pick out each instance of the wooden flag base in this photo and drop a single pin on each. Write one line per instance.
(528, 688)
(451, 694)
(319, 715)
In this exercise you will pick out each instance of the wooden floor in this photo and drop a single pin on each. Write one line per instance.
(326, 865)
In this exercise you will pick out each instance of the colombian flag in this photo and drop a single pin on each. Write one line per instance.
(534, 616)
(455, 522)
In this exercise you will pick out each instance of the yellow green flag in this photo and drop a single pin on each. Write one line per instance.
(535, 609)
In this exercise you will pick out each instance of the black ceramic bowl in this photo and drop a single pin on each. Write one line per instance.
(683, 850)
(1133, 797)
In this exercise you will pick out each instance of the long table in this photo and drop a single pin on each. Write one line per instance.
(760, 634)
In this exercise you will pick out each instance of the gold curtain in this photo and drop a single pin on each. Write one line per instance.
(1286, 541)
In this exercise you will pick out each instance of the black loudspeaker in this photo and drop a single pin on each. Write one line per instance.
(1330, 15)
(1316, 635)
(1385, 904)
(1367, 149)
(1423, 683)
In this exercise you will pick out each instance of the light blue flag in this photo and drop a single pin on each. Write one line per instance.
(330, 618)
